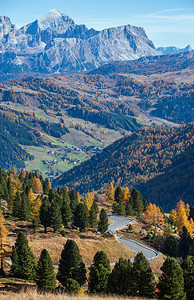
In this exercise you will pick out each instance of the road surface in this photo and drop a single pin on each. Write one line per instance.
(120, 222)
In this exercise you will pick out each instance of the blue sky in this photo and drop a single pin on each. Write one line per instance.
(166, 22)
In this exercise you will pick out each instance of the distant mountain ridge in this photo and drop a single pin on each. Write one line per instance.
(173, 50)
(55, 44)
(149, 65)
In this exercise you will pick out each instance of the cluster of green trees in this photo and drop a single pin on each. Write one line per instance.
(63, 207)
(179, 247)
(131, 204)
(126, 278)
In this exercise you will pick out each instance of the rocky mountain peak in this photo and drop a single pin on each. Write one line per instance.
(5, 26)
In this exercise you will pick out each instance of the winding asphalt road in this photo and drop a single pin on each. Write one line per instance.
(136, 246)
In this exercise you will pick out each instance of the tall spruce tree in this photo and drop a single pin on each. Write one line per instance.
(45, 276)
(73, 200)
(66, 212)
(56, 219)
(17, 205)
(81, 217)
(99, 273)
(188, 274)
(118, 194)
(171, 282)
(103, 222)
(185, 243)
(118, 208)
(144, 277)
(121, 280)
(93, 217)
(137, 201)
(45, 214)
(71, 264)
(24, 262)
(171, 246)
(25, 210)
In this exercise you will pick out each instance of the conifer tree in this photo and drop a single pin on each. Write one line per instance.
(126, 195)
(88, 200)
(121, 280)
(25, 209)
(171, 282)
(95, 205)
(144, 277)
(15, 263)
(103, 222)
(17, 205)
(25, 261)
(118, 194)
(71, 264)
(184, 243)
(188, 274)
(37, 186)
(56, 219)
(137, 201)
(45, 276)
(45, 214)
(129, 210)
(73, 200)
(110, 193)
(171, 246)
(93, 218)
(99, 273)
(36, 208)
(72, 287)
(66, 213)
(118, 208)
(81, 219)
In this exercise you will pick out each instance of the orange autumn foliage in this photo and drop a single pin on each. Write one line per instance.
(153, 214)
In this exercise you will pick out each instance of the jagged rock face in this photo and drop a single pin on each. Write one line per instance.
(55, 43)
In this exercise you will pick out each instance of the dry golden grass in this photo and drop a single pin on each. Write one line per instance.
(36, 296)
(88, 245)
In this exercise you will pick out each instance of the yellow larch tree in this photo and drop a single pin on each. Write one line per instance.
(110, 193)
(153, 214)
(4, 248)
(126, 195)
(190, 227)
(182, 219)
(37, 186)
(15, 185)
(36, 208)
(88, 200)
(173, 215)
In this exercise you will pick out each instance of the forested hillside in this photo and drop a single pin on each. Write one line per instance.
(132, 160)
(175, 184)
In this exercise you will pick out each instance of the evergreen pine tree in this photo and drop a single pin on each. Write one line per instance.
(103, 222)
(129, 210)
(45, 214)
(72, 287)
(45, 276)
(93, 217)
(15, 264)
(99, 273)
(171, 282)
(144, 277)
(73, 200)
(66, 212)
(25, 264)
(121, 279)
(145, 204)
(188, 274)
(184, 243)
(118, 208)
(137, 201)
(56, 219)
(17, 205)
(95, 205)
(118, 194)
(171, 246)
(71, 264)
(25, 208)
(81, 217)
